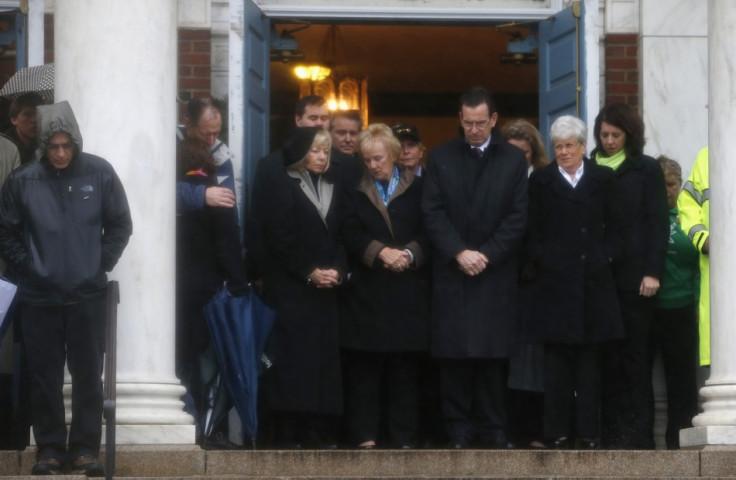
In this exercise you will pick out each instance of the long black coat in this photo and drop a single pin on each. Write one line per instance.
(304, 343)
(473, 317)
(382, 310)
(644, 202)
(574, 234)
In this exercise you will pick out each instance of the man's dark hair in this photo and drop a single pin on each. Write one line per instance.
(26, 100)
(304, 102)
(477, 96)
(353, 115)
(622, 116)
(197, 106)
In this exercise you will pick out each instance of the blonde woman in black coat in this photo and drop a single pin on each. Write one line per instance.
(384, 322)
(575, 229)
(305, 386)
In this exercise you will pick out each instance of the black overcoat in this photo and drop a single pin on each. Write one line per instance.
(574, 235)
(382, 310)
(304, 343)
(644, 202)
(473, 317)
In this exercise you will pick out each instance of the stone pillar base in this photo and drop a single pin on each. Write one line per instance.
(153, 434)
(697, 437)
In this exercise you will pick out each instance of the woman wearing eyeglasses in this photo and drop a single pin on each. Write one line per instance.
(575, 226)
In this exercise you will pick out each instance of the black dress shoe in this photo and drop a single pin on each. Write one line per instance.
(459, 444)
(47, 466)
(366, 447)
(589, 444)
(562, 443)
(87, 465)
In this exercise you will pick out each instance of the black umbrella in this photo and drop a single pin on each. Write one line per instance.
(38, 79)
(240, 327)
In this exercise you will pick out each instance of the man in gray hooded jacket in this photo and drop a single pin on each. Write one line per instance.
(64, 222)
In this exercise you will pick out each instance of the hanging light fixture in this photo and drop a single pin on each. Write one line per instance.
(342, 92)
(313, 73)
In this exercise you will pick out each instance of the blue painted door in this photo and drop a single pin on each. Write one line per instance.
(561, 68)
(256, 77)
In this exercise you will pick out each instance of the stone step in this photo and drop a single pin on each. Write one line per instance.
(162, 461)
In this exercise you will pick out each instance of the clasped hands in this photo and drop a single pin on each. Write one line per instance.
(471, 262)
(324, 278)
(394, 259)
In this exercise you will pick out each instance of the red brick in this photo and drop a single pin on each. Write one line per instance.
(191, 34)
(194, 59)
(621, 64)
(616, 99)
(621, 39)
(185, 71)
(632, 50)
(616, 76)
(626, 88)
(185, 47)
(632, 76)
(201, 47)
(201, 72)
(194, 83)
(615, 51)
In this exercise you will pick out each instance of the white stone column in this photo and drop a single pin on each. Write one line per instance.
(116, 63)
(717, 424)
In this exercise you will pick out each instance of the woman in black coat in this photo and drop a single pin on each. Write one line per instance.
(208, 253)
(305, 386)
(384, 317)
(575, 229)
(628, 408)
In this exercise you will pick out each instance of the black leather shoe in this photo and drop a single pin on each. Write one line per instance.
(562, 443)
(589, 444)
(87, 465)
(459, 444)
(47, 466)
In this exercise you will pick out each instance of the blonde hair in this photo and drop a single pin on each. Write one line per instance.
(380, 132)
(321, 140)
(523, 130)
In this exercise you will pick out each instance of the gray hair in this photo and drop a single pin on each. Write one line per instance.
(670, 167)
(568, 126)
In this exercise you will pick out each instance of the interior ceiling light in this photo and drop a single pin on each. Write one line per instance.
(315, 72)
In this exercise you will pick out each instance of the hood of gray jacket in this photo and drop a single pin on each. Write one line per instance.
(52, 119)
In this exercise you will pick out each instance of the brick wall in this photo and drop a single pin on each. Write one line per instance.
(194, 63)
(622, 69)
(48, 38)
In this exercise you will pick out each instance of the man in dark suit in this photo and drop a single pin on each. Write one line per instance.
(475, 209)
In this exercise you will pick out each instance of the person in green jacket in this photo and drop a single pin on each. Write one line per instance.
(675, 320)
(693, 204)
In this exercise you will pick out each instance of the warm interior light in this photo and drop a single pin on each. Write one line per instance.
(315, 73)
(332, 104)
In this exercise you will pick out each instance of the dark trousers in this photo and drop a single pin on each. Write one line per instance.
(51, 335)
(676, 335)
(473, 394)
(627, 394)
(571, 391)
(367, 373)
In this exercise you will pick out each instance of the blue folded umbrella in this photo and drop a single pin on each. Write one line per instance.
(240, 327)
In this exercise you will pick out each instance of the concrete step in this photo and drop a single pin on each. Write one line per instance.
(185, 462)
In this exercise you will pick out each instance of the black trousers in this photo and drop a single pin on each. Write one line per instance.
(627, 394)
(473, 396)
(676, 335)
(572, 391)
(367, 373)
(51, 335)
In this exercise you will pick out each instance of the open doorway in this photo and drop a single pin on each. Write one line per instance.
(415, 73)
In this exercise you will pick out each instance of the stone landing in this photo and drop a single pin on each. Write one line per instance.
(191, 462)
